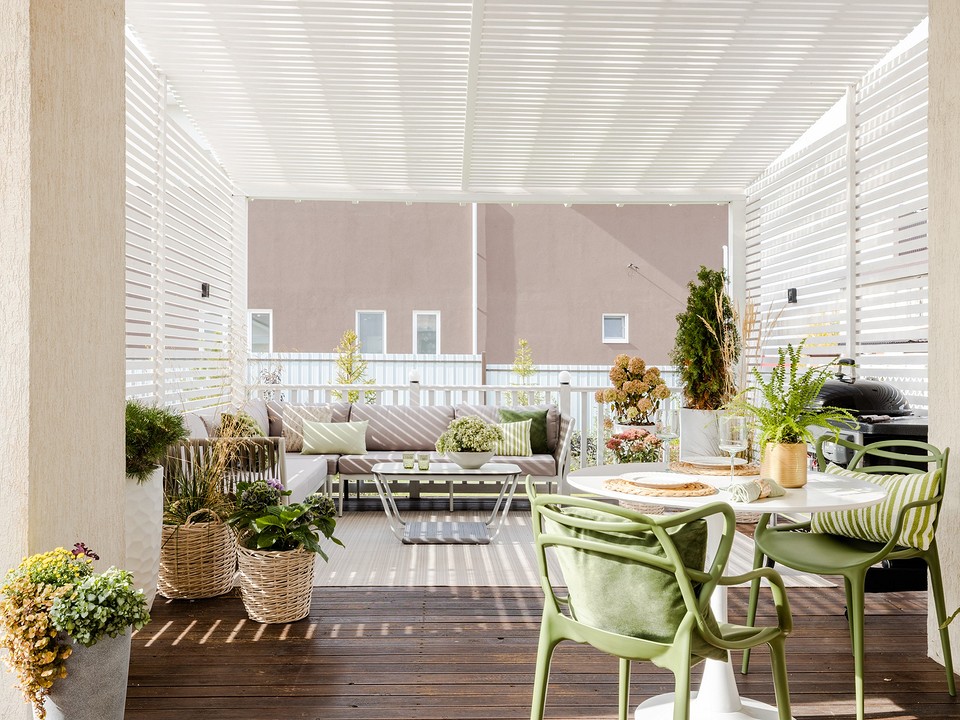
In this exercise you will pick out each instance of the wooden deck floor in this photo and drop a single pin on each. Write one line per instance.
(454, 653)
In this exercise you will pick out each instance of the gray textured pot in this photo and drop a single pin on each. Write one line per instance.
(95, 687)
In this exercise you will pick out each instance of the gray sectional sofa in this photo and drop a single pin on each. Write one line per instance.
(391, 430)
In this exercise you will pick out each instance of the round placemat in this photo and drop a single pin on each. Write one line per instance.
(691, 469)
(690, 489)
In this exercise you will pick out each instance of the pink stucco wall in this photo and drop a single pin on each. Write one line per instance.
(316, 263)
(546, 273)
(553, 271)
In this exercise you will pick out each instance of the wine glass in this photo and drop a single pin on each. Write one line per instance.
(733, 436)
(666, 428)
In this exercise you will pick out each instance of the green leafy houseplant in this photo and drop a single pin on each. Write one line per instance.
(262, 523)
(469, 434)
(707, 344)
(52, 597)
(785, 410)
(150, 431)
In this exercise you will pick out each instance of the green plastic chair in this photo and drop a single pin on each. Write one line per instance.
(824, 554)
(600, 546)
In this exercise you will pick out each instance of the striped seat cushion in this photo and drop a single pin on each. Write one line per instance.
(876, 523)
(516, 439)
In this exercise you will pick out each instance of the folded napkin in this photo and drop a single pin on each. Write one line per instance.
(750, 490)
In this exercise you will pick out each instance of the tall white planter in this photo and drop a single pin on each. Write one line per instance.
(95, 687)
(699, 435)
(144, 513)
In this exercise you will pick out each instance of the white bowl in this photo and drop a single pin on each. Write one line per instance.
(470, 460)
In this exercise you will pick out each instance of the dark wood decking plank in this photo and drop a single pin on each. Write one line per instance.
(462, 653)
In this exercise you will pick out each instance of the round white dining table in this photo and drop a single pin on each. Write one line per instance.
(717, 697)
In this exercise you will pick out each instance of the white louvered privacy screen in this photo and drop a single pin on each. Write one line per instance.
(860, 267)
(186, 230)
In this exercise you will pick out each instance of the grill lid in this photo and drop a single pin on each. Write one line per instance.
(863, 397)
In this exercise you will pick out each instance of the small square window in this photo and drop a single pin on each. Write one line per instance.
(616, 328)
(426, 333)
(372, 331)
(261, 330)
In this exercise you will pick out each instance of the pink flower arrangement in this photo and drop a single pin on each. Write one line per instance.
(635, 445)
(637, 390)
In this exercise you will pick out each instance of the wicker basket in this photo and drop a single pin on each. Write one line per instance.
(197, 559)
(276, 586)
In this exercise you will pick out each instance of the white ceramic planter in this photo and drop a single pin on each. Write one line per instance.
(470, 460)
(699, 435)
(95, 687)
(144, 516)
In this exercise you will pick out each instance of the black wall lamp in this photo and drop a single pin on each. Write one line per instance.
(204, 289)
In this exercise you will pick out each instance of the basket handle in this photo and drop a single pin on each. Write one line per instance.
(202, 511)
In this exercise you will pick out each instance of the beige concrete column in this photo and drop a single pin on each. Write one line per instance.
(61, 282)
(944, 180)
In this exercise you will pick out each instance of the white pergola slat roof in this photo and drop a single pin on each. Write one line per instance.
(573, 100)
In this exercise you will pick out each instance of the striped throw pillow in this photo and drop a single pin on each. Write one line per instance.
(516, 439)
(876, 523)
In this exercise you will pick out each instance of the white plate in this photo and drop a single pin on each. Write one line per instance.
(713, 460)
(656, 481)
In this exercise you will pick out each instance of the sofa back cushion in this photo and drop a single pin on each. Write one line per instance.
(398, 427)
(196, 427)
(293, 419)
(491, 413)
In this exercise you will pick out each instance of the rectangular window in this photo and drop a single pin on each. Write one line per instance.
(616, 328)
(260, 330)
(372, 331)
(426, 332)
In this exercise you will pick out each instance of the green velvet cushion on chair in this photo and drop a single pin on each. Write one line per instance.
(629, 598)
(538, 427)
(516, 439)
(876, 523)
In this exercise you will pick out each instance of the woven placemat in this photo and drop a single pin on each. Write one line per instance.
(690, 489)
(691, 469)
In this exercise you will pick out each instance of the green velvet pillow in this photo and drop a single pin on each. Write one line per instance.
(343, 438)
(538, 428)
(629, 598)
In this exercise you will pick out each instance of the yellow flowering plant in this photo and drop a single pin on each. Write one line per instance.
(638, 390)
(53, 598)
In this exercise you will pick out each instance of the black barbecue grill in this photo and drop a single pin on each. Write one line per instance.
(882, 413)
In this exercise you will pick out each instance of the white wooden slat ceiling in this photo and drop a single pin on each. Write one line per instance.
(510, 100)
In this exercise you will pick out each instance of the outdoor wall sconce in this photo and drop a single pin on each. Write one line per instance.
(204, 290)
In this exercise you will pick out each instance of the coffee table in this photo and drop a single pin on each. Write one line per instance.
(449, 533)
(718, 696)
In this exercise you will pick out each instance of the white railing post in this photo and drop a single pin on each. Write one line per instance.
(414, 377)
(564, 403)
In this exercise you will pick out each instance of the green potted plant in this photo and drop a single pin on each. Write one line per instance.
(469, 441)
(66, 631)
(150, 431)
(705, 353)
(276, 548)
(637, 391)
(785, 412)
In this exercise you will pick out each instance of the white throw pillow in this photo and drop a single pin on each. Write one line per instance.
(349, 438)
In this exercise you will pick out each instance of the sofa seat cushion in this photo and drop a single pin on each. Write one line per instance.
(306, 473)
(363, 464)
(491, 413)
(536, 465)
(399, 427)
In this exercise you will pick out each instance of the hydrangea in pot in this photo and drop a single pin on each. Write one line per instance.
(469, 441)
(66, 631)
(276, 548)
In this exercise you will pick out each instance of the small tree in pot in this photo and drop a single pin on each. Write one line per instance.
(706, 350)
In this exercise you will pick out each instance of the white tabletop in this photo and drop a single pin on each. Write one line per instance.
(821, 493)
(438, 468)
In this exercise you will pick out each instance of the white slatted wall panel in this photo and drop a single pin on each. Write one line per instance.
(186, 226)
(798, 228)
(891, 224)
(796, 238)
(144, 118)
